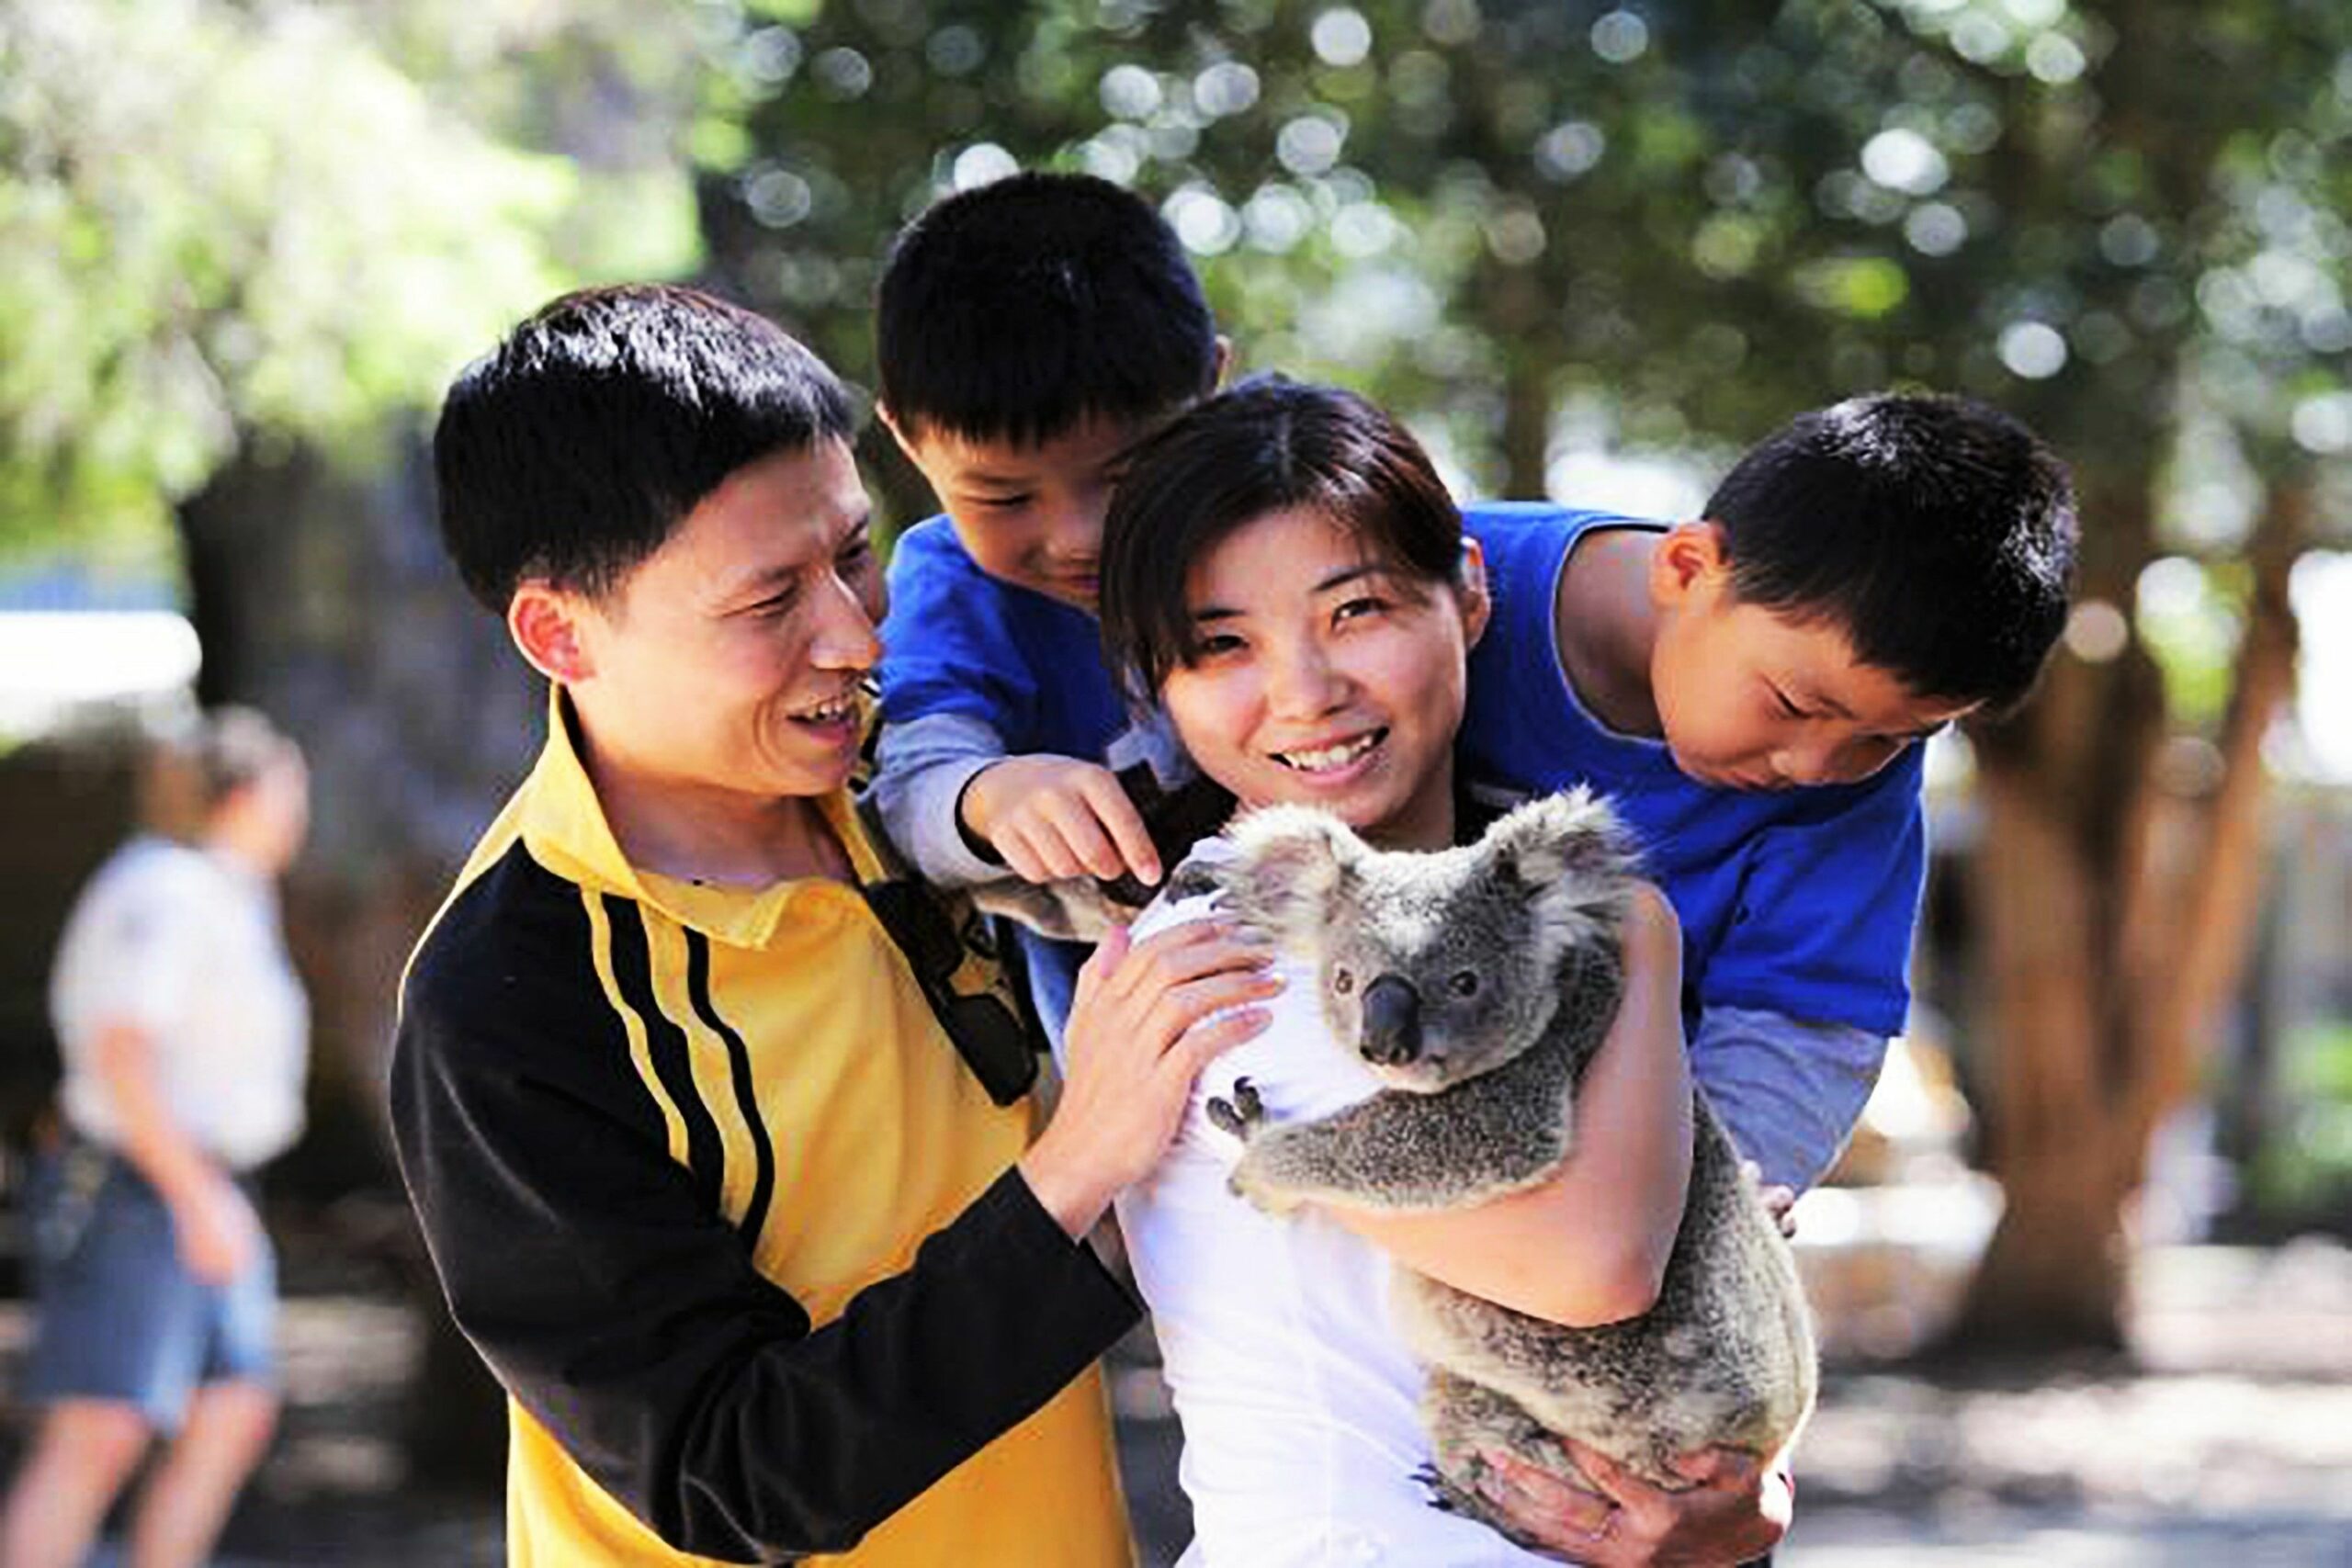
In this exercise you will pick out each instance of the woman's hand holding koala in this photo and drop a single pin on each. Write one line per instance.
(1145, 1018)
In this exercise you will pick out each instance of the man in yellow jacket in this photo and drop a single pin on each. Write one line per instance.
(722, 1175)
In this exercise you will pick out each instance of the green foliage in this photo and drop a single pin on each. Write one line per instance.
(219, 221)
(2306, 1172)
(2123, 222)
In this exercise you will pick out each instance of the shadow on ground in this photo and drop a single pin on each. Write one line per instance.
(2225, 1439)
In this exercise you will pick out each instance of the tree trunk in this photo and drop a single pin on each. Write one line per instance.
(2119, 889)
(326, 602)
(1518, 316)
(1527, 428)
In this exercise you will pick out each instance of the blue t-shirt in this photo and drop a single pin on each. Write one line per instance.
(961, 644)
(959, 641)
(1799, 902)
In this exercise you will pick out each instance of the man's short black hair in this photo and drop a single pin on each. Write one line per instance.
(1268, 446)
(574, 449)
(1014, 310)
(1937, 533)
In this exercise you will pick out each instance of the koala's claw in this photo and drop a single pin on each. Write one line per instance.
(1242, 1115)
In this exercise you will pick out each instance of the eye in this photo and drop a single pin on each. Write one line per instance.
(1355, 609)
(1787, 709)
(1464, 983)
(1214, 643)
(776, 604)
(1342, 982)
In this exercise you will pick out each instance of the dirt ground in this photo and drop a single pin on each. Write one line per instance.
(2228, 1437)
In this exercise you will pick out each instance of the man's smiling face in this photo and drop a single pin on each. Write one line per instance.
(728, 660)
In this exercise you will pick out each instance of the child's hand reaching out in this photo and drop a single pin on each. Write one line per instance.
(1051, 819)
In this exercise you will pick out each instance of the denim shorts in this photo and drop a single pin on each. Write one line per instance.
(119, 1318)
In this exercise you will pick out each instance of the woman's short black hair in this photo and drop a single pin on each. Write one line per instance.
(1266, 446)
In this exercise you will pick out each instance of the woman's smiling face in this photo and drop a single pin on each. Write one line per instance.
(1326, 677)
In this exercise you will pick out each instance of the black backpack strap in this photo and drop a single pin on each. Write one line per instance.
(968, 967)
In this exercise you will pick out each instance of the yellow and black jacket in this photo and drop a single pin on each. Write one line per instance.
(733, 1225)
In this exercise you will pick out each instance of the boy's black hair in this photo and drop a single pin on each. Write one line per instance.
(1266, 446)
(1937, 533)
(1013, 310)
(574, 449)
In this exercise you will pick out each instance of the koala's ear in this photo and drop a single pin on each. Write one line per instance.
(1289, 862)
(1571, 834)
(1572, 855)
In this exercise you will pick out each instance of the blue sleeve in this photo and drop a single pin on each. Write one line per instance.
(1822, 929)
(1788, 1093)
(945, 646)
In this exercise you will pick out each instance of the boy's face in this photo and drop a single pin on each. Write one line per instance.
(1031, 515)
(727, 664)
(1753, 699)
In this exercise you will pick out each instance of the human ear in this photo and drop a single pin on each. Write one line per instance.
(889, 423)
(1688, 558)
(1471, 593)
(1224, 363)
(544, 621)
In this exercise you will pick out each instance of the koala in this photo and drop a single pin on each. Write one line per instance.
(1477, 983)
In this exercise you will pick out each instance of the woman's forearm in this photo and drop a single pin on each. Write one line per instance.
(1590, 1243)
(150, 1138)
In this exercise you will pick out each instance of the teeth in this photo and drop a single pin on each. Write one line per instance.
(1329, 757)
(830, 713)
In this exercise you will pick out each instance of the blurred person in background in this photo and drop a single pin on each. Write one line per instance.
(183, 1033)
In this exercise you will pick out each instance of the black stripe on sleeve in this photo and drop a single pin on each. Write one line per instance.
(746, 1101)
(623, 1311)
(665, 1043)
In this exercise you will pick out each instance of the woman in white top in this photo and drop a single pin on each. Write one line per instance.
(183, 1033)
(1284, 571)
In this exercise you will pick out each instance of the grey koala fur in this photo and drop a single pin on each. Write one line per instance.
(1509, 950)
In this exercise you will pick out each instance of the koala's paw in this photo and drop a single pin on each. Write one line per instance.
(1441, 1493)
(1244, 1116)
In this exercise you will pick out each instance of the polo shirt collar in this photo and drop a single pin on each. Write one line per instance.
(564, 826)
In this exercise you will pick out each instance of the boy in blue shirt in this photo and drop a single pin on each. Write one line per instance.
(1750, 688)
(1028, 334)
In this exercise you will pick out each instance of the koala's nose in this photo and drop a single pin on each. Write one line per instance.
(1392, 1021)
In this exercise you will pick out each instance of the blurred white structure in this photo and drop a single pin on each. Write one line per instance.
(60, 665)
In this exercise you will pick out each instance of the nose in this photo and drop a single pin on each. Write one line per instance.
(845, 637)
(1073, 534)
(1392, 1021)
(1834, 762)
(1807, 763)
(1300, 681)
